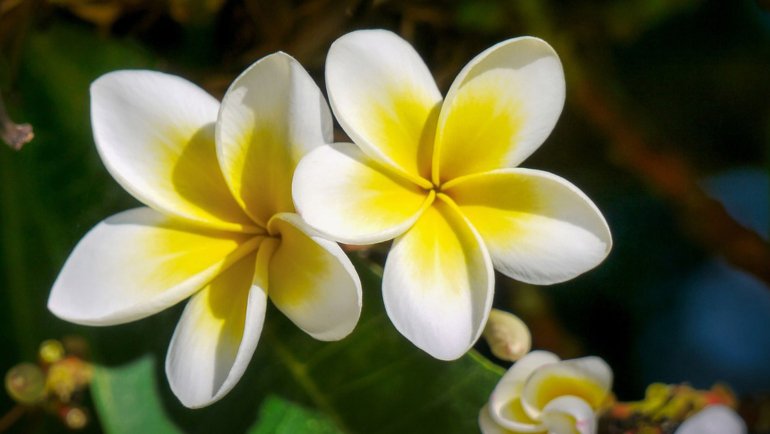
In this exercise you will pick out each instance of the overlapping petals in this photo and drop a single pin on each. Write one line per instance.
(438, 282)
(353, 199)
(218, 332)
(500, 109)
(139, 262)
(385, 98)
(538, 227)
(155, 134)
(540, 394)
(220, 227)
(271, 116)
(310, 280)
(436, 177)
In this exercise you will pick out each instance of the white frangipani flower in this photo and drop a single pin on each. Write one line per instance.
(542, 394)
(437, 175)
(219, 225)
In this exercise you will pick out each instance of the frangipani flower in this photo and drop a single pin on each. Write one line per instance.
(437, 176)
(541, 394)
(219, 225)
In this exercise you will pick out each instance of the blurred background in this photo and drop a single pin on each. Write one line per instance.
(666, 127)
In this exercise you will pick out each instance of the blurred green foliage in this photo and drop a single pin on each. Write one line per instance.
(373, 381)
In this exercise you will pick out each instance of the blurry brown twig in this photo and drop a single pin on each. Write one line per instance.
(13, 134)
(10, 418)
(15, 18)
(705, 219)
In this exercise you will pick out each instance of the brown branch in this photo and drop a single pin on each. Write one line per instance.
(13, 134)
(15, 19)
(10, 418)
(705, 219)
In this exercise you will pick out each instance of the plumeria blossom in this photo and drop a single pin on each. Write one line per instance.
(438, 176)
(219, 226)
(542, 394)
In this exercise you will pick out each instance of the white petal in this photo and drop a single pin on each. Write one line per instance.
(217, 334)
(312, 281)
(155, 134)
(351, 199)
(385, 98)
(500, 108)
(587, 378)
(714, 419)
(271, 116)
(505, 403)
(438, 283)
(538, 227)
(513, 380)
(488, 425)
(569, 415)
(137, 263)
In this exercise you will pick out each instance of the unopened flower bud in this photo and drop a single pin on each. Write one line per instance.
(51, 351)
(507, 335)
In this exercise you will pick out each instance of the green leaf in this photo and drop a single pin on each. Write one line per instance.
(122, 409)
(374, 382)
(279, 416)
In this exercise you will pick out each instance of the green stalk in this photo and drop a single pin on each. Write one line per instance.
(14, 266)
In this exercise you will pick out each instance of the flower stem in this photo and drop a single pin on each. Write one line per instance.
(10, 418)
(13, 264)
